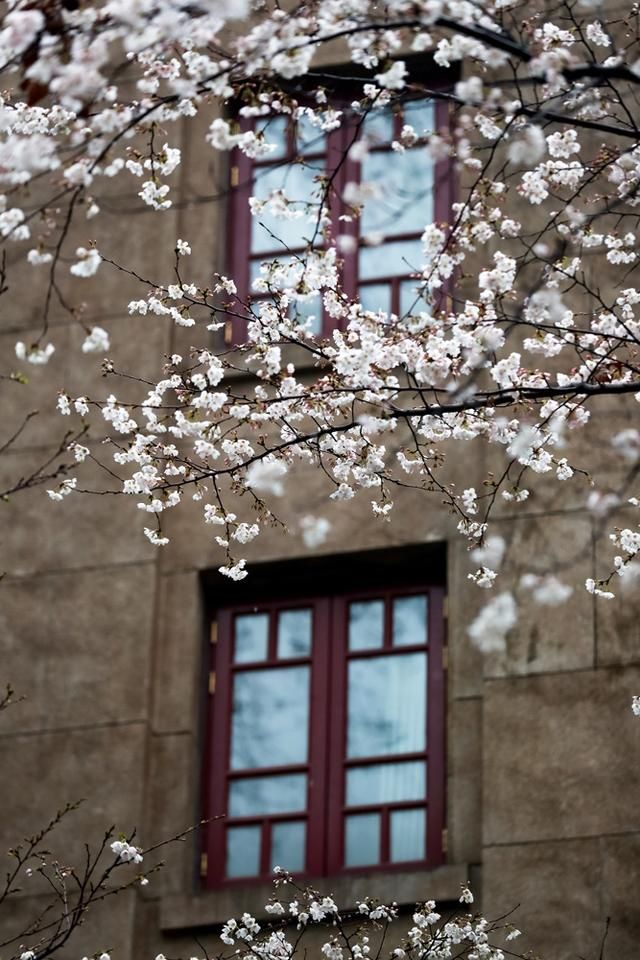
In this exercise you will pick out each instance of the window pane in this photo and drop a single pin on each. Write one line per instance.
(252, 634)
(309, 138)
(387, 701)
(366, 624)
(309, 309)
(411, 299)
(243, 851)
(376, 296)
(285, 793)
(409, 621)
(405, 181)
(421, 115)
(378, 127)
(287, 845)
(294, 633)
(407, 835)
(362, 839)
(279, 233)
(390, 259)
(269, 724)
(386, 783)
(275, 132)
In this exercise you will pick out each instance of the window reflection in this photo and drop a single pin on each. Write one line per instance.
(366, 624)
(407, 835)
(269, 724)
(251, 637)
(406, 184)
(283, 793)
(288, 845)
(362, 839)
(243, 851)
(387, 700)
(386, 783)
(390, 259)
(294, 633)
(409, 621)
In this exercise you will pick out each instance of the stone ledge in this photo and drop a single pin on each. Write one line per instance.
(184, 912)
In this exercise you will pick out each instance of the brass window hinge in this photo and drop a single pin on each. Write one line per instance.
(228, 332)
(234, 176)
(213, 632)
(212, 682)
(204, 864)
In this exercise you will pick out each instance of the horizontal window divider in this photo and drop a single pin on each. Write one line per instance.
(299, 816)
(421, 804)
(386, 651)
(271, 662)
(267, 771)
(386, 758)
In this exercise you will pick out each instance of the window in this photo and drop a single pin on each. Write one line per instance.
(326, 739)
(382, 251)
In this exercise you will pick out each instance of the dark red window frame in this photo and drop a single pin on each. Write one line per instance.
(326, 809)
(239, 216)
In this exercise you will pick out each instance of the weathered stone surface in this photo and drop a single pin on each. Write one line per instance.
(181, 655)
(42, 772)
(554, 891)
(561, 756)
(547, 638)
(173, 806)
(76, 645)
(82, 531)
(108, 925)
(464, 781)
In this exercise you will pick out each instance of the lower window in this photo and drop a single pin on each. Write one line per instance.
(326, 736)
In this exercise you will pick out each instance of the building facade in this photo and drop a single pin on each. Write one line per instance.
(331, 706)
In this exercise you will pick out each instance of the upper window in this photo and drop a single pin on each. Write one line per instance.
(380, 250)
(326, 736)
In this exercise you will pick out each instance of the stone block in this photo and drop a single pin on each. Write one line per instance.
(181, 658)
(85, 530)
(464, 781)
(173, 806)
(103, 766)
(107, 925)
(561, 756)
(552, 893)
(77, 645)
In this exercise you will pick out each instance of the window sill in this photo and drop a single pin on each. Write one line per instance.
(213, 907)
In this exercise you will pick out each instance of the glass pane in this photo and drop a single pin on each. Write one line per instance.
(409, 621)
(243, 851)
(308, 313)
(407, 835)
(362, 839)
(387, 701)
(278, 233)
(378, 127)
(376, 296)
(309, 138)
(390, 259)
(287, 845)
(270, 718)
(386, 783)
(411, 299)
(421, 115)
(275, 132)
(405, 181)
(294, 633)
(252, 635)
(285, 793)
(366, 624)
